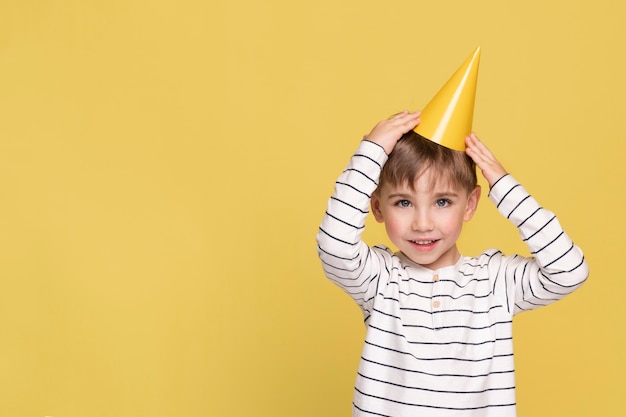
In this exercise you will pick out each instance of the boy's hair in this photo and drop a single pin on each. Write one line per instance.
(413, 155)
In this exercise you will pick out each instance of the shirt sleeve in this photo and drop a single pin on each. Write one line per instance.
(556, 267)
(346, 259)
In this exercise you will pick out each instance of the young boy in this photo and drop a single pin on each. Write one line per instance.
(439, 325)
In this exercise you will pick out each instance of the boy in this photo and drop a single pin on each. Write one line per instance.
(439, 325)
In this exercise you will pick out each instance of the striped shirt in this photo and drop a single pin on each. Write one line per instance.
(439, 343)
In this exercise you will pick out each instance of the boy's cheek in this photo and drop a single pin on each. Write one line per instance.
(394, 225)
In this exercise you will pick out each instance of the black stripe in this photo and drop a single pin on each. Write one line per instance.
(414, 371)
(434, 406)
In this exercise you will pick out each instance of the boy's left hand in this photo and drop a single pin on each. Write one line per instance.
(492, 169)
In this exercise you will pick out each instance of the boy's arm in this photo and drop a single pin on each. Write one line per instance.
(346, 260)
(557, 267)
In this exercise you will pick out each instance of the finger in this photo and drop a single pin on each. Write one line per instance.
(407, 119)
(477, 154)
(405, 114)
(398, 115)
(479, 148)
(409, 123)
(474, 142)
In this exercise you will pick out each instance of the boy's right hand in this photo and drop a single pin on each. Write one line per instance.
(387, 132)
(491, 168)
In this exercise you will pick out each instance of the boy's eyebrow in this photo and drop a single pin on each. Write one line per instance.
(447, 194)
(443, 194)
(399, 194)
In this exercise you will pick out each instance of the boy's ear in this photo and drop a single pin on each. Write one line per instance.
(375, 203)
(472, 203)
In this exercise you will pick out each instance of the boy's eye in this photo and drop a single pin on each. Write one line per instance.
(442, 202)
(403, 203)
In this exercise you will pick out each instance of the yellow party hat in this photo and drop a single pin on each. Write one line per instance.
(447, 118)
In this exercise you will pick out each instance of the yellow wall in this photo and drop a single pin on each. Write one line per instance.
(164, 166)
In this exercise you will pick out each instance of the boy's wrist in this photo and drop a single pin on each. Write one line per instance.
(499, 179)
(365, 139)
(501, 187)
(373, 151)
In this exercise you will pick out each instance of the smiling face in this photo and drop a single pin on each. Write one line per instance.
(425, 221)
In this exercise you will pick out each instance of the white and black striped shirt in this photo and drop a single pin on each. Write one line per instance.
(439, 343)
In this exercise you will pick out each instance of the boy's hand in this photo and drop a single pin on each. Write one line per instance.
(492, 169)
(387, 132)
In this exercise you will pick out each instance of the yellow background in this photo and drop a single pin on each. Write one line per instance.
(164, 166)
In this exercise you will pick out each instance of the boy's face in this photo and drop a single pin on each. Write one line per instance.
(426, 222)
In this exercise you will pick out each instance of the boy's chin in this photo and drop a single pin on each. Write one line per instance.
(432, 261)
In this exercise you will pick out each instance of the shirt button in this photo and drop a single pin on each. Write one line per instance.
(435, 278)
(436, 304)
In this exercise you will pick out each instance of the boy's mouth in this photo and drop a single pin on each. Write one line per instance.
(423, 242)
(424, 245)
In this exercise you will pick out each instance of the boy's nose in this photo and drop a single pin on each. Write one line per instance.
(422, 221)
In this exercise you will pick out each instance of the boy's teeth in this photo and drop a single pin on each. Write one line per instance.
(423, 242)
